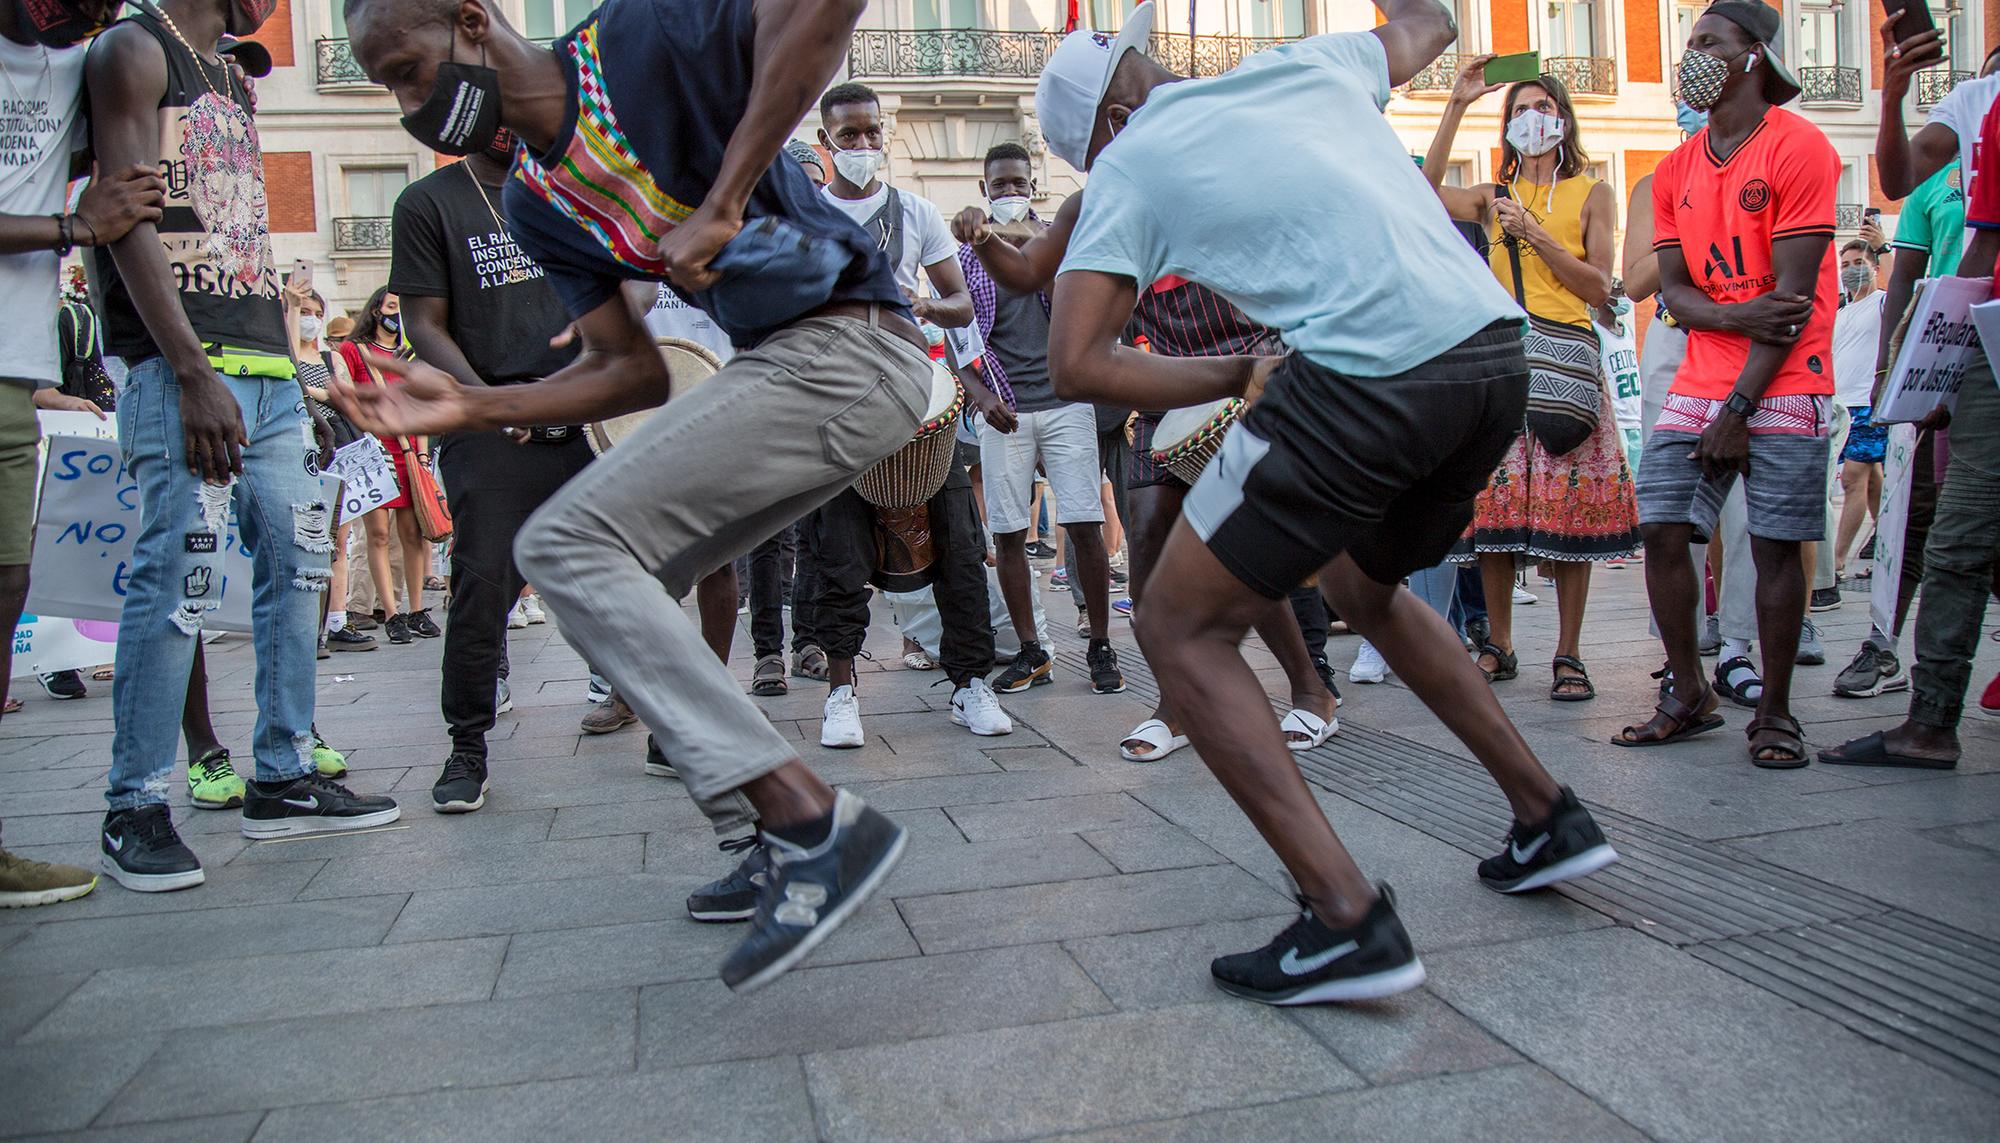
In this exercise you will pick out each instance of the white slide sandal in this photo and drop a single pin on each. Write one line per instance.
(1153, 733)
(1307, 723)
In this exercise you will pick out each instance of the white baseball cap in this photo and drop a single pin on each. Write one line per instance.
(1074, 79)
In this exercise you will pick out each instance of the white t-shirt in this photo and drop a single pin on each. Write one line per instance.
(1331, 237)
(1857, 334)
(926, 239)
(41, 126)
(1963, 109)
(672, 317)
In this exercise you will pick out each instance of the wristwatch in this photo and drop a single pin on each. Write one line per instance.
(1740, 405)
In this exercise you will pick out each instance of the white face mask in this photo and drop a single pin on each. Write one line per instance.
(1535, 133)
(1010, 208)
(859, 165)
(309, 328)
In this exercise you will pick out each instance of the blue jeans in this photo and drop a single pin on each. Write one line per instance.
(1438, 587)
(176, 578)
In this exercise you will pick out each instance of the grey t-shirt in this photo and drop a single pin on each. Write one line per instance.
(1021, 339)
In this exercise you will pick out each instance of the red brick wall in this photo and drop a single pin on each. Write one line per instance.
(288, 183)
(1642, 41)
(1872, 41)
(1875, 196)
(1639, 164)
(276, 34)
(1510, 26)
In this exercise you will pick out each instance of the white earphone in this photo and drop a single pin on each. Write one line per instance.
(1749, 62)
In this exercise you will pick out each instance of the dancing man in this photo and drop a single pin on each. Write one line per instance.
(652, 140)
(1360, 460)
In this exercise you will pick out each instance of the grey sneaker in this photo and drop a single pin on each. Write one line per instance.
(1811, 654)
(1874, 671)
(1711, 637)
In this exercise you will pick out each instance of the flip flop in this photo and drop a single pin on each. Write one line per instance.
(1301, 721)
(1873, 750)
(11, 706)
(1786, 737)
(1680, 721)
(1153, 733)
(919, 661)
(102, 674)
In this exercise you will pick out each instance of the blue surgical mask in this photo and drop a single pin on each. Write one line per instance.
(1691, 121)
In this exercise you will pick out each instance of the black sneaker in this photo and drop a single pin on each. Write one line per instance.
(656, 760)
(142, 852)
(311, 804)
(809, 892)
(348, 639)
(1310, 963)
(1030, 668)
(461, 789)
(734, 897)
(1567, 846)
(64, 684)
(1875, 670)
(1040, 551)
(1105, 677)
(397, 627)
(421, 625)
(1824, 599)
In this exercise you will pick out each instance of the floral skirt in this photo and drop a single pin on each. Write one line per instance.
(1579, 506)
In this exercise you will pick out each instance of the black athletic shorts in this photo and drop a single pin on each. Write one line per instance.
(1383, 468)
(1141, 471)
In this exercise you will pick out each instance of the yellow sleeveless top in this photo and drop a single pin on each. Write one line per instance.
(1561, 214)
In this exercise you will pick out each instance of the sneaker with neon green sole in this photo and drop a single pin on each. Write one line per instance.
(25, 883)
(329, 762)
(213, 783)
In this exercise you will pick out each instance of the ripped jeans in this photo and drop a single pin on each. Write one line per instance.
(176, 577)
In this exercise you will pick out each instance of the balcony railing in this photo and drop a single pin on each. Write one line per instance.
(1847, 216)
(904, 53)
(1440, 76)
(360, 235)
(1840, 85)
(1933, 85)
(1584, 75)
(337, 67)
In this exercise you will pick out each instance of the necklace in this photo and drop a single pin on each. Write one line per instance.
(481, 188)
(41, 85)
(200, 64)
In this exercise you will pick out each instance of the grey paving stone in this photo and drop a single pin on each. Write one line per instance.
(1895, 865)
(706, 1102)
(1644, 1028)
(606, 819)
(402, 1051)
(845, 1006)
(418, 832)
(995, 864)
(205, 1129)
(918, 793)
(1062, 910)
(409, 975)
(26, 999)
(1711, 802)
(1958, 799)
(1502, 1103)
(1030, 758)
(495, 910)
(1162, 968)
(62, 1086)
(228, 884)
(533, 861)
(23, 781)
(200, 935)
(993, 822)
(1092, 1072)
(1403, 1038)
(1142, 848)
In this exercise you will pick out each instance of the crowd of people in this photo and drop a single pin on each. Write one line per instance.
(1237, 442)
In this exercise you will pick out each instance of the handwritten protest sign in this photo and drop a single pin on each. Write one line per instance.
(1936, 350)
(367, 477)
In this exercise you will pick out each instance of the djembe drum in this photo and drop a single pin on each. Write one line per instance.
(901, 485)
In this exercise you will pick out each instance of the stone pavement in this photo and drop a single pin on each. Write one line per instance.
(1807, 954)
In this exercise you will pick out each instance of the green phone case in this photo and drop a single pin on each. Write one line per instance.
(1512, 69)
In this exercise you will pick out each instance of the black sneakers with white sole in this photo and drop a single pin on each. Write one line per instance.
(310, 804)
(1312, 963)
(142, 851)
(1566, 846)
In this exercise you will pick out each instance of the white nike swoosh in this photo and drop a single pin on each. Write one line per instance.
(303, 803)
(1523, 856)
(1292, 964)
(117, 844)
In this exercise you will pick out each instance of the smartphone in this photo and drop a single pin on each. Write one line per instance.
(1520, 66)
(1915, 20)
(302, 273)
(1873, 214)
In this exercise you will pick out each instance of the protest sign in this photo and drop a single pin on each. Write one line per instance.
(44, 644)
(1936, 350)
(367, 477)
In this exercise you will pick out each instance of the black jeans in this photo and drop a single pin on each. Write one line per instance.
(1309, 607)
(769, 566)
(841, 540)
(493, 486)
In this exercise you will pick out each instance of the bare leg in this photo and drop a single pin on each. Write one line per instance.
(336, 583)
(1674, 591)
(1855, 506)
(1572, 594)
(1011, 552)
(1496, 575)
(1781, 609)
(1090, 568)
(377, 526)
(416, 556)
(1114, 528)
(1154, 510)
(715, 599)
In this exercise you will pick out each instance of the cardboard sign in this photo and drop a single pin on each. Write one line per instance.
(367, 477)
(1937, 349)
(1891, 522)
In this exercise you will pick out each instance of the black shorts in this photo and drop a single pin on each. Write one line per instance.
(1142, 471)
(1383, 468)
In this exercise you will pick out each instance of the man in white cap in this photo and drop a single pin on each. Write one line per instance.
(1360, 459)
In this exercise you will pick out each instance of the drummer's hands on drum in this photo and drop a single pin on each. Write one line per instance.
(972, 226)
(1260, 373)
(429, 400)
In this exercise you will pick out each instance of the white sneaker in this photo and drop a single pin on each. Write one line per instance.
(975, 707)
(1523, 596)
(840, 728)
(1369, 666)
(503, 699)
(517, 618)
(531, 607)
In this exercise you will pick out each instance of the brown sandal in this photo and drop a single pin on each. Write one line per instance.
(1672, 721)
(1782, 736)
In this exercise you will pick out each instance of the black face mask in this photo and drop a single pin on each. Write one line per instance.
(463, 113)
(391, 322)
(56, 24)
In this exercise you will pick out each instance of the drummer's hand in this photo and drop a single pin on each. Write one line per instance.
(688, 248)
(562, 340)
(1260, 373)
(996, 412)
(428, 402)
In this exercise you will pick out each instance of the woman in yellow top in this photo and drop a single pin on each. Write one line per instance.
(1570, 505)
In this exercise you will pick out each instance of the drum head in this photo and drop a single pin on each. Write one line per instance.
(944, 390)
(1179, 426)
(688, 364)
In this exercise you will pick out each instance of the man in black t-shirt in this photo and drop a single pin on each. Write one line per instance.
(480, 309)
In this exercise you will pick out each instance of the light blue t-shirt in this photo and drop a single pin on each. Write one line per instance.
(1280, 186)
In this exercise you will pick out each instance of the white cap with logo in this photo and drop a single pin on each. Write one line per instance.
(1074, 79)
